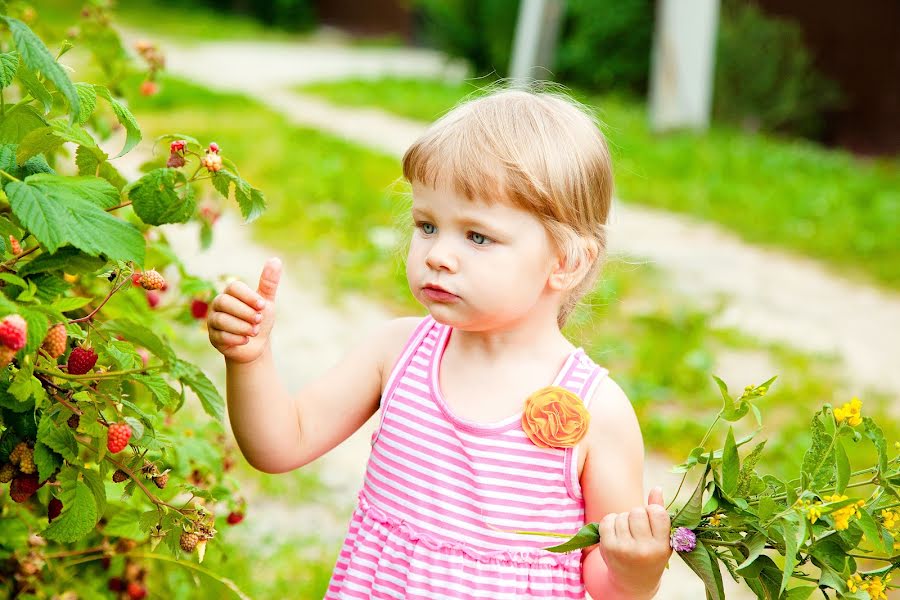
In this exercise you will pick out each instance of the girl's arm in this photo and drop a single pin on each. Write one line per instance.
(629, 561)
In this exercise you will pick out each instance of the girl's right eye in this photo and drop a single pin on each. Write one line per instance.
(427, 228)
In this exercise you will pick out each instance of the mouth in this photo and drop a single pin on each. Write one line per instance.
(438, 294)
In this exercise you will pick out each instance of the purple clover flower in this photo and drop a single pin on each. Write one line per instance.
(683, 540)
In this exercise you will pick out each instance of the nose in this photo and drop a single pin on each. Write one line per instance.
(441, 257)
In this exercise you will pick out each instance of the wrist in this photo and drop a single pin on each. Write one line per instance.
(621, 590)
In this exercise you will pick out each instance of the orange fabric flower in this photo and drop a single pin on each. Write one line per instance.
(554, 417)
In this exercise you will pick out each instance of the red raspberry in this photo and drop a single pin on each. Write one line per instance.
(149, 88)
(54, 508)
(55, 342)
(235, 517)
(81, 360)
(177, 146)
(14, 245)
(199, 308)
(136, 591)
(117, 437)
(152, 280)
(175, 161)
(116, 584)
(153, 298)
(136, 278)
(212, 162)
(13, 330)
(23, 487)
(74, 420)
(214, 147)
(119, 476)
(6, 356)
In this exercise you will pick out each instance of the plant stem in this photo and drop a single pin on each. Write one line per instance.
(5, 266)
(74, 552)
(114, 289)
(90, 377)
(683, 477)
(2, 172)
(124, 204)
(231, 585)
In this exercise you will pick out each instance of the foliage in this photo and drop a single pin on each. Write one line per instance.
(820, 527)
(765, 76)
(79, 249)
(292, 15)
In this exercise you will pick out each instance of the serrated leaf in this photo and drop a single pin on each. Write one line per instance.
(67, 259)
(70, 303)
(690, 514)
(9, 64)
(156, 200)
(35, 164)
(206, 391)
(588, 535)
(58, 437)
(42, 140)
(126, 119)
(18, 121)
(745, 478)
(35, 54)
(137, 428)
(702, 561)
(60, 210)
(37, 328)
(8, 164)
(11, 402)
(148, 520)
(78, 518)
(35, 87)
(818, 462)
(72, 132)
(46, 460)
(874, 433)
(125, 523)
(161, 391)
(141, 336)
(25, 385)
(87, 97)
(89, 163)
(98, 488)
(730, 464)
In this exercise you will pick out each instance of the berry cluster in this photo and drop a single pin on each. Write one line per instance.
(152, 280)
(14, 245)
(155, 63)
(55, 342)
(13, 335)
(117, 437)
(81, 360)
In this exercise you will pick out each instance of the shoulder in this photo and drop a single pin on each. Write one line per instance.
(391, 339)
(610, 407)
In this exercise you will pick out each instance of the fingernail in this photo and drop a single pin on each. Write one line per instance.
(255, 329)
(258, 317)
(261, 304)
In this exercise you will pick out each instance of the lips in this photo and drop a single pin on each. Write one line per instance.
(438, 294)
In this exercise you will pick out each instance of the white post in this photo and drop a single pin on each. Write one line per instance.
(535, 40)
(684, 46)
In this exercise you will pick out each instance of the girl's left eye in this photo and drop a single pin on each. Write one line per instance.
(479, 238)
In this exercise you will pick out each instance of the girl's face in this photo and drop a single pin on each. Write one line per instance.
(476, 266)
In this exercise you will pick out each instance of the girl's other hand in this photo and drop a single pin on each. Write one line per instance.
(635, 546)
(240, 319)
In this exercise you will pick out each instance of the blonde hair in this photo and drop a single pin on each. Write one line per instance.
(539, 150)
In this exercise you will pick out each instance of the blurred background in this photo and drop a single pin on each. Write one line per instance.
(756, 228)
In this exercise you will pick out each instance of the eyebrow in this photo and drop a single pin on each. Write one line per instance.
(466, 221)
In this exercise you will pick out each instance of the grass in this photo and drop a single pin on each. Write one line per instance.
(775, 192)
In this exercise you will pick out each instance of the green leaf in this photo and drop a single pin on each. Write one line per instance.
(745, 479)
(125, 523)
(874, 433)
(42, 140)
(800, 593)
(841, 467)
(35, 87)
(17, 122)
(8, 164)
(37, 328)
(141, 336)
(162, 393)
(78, 517)
(58, 437)
(251, 200)
(132, 130)
(702, 561)
(794, 535)
(66, 258)
(76, 134)
(730, 464)
(818, 462)
(766, 508)
(47, 460)
(11, 402)
(156, 200)
(871, 530)
(89, 163)
(754, 544)
(690, 514)
(64, 210)
(98, 488)
(9, 64)
(586, 536)
(35, 54)
(87, 97)
(209, 396)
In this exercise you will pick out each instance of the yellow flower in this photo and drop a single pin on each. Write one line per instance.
(812, 513)
(876, 587)
(855, 583)
(891, 519)
(843, 515)
(715, 520)
(849, 412)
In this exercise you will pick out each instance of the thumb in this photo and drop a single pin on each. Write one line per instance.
(268, 280)
(656, 496)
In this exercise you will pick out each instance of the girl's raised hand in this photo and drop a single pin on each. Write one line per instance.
(240, 319)
(635, 545)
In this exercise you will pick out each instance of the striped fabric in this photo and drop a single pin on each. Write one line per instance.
(442, 494)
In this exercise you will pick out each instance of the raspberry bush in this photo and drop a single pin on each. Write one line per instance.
(89, 381)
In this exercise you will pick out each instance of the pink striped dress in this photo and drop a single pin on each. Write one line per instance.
(439, 491)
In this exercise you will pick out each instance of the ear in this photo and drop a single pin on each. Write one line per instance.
(572, 264)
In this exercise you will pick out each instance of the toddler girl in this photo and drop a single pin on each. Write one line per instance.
(492, 422)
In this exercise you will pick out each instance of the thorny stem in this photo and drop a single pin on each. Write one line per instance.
(124, 204)
(6, 264)
(115, 289)
(92, 377)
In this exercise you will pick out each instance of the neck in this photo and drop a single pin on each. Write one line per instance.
(532, 335)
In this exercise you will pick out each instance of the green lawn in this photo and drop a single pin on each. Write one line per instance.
(783, 193)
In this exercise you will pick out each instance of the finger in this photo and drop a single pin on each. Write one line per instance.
(242, 292)
(639, 524)
(623, 532)
(225, 340)
(656, 496)
(607, 529)
(268, 281)
(660, 522)
(231, 305)
(231, 324)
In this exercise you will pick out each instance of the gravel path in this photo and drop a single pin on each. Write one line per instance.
(774, 296)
